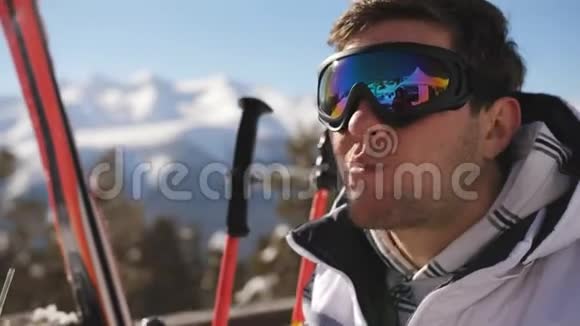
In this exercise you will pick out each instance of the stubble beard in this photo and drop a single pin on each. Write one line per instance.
(388, 212)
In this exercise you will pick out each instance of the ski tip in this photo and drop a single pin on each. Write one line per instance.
(254, 103)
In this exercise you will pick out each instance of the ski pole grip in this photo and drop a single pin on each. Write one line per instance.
(237, 220)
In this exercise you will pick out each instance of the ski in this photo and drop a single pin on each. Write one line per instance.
(85, 248)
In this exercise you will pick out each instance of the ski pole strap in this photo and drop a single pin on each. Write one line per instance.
(237, 220)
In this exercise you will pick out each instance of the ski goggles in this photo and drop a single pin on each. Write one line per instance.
(401, 81)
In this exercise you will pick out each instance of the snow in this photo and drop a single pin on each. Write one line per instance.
(269, 254)
(21, 129)
(134, 255)
(281, 231)
(28, 173)
(36, 271)
(217, 81)
(71, 95)
(256, 286)
(144, 99)
(143, 135)
(146, 112)
(186, 233)
(157, 163)
(51, 315)
(217, 242)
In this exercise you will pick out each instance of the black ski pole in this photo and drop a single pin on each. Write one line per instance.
(237, 224)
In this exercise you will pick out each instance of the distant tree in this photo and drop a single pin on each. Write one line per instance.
(171, 286)
(124, 216)
(125, 226)
(34, 252)
(8, 163)
(302, 152)
(277, 266)
(28, 243)
(190, 249)
(211, 270)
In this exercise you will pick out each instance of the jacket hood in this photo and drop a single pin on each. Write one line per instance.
(562, 228)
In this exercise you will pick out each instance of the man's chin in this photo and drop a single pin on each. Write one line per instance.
(364, 222)
(369, 214)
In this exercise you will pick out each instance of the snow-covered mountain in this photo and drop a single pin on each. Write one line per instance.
(146, 112)
(153, 120)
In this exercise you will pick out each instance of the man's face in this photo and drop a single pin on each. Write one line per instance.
(412, 185)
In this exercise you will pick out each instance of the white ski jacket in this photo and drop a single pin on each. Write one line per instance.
(530, 276)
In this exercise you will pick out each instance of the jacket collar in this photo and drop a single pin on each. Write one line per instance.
(335, 241)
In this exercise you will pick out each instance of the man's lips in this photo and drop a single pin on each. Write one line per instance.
(361, 167)
(357, 169)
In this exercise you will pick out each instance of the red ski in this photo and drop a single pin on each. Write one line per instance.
(84, 245)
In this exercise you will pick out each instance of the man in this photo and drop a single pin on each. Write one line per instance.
(471, 216)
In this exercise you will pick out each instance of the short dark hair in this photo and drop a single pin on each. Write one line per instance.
(479, 34)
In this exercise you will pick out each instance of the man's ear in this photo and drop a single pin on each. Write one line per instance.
(500, 123)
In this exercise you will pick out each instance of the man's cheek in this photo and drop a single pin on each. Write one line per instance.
(337, 150)
(341, 167)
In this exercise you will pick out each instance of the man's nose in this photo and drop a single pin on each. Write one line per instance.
(362, 119)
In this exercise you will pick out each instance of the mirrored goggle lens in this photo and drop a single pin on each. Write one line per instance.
(398, 80)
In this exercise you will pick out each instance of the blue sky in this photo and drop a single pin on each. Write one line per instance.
(279, 43)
